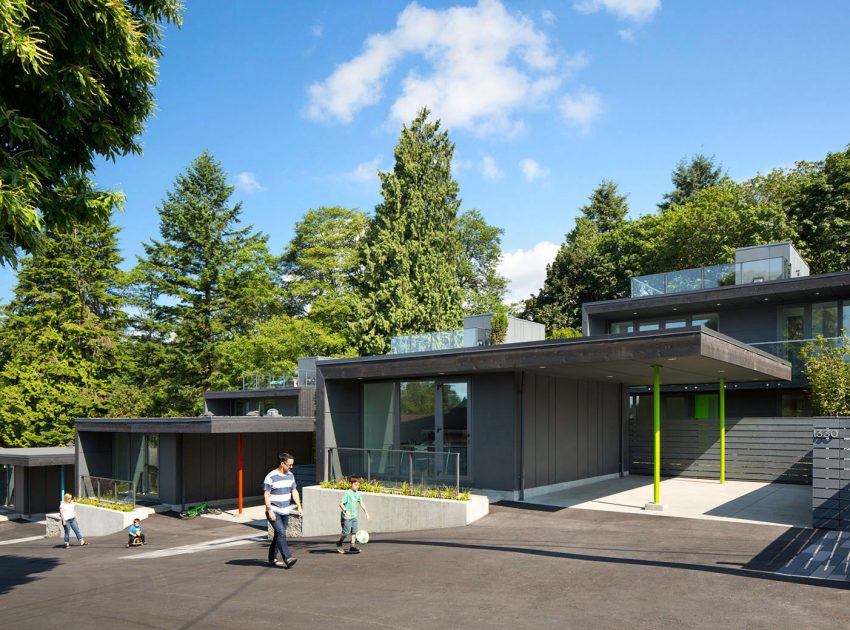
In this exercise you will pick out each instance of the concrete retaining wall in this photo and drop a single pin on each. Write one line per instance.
(96, 521)
(390, 512)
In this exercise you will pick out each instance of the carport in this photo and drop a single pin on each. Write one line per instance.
(544, 415)
(34, 479)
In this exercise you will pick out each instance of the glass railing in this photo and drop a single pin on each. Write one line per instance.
(790, 351)
(710, 277)
(423, 342)
(106, 490)
(395, 467)
(272, 380)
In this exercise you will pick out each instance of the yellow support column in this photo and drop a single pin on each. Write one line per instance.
(722, 430)
(656, 429)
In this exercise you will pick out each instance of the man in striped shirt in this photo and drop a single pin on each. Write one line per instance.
(278, 490)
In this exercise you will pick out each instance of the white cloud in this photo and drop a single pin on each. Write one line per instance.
(483, 66)
(581, 109)
(533, 170)
(490, 169)
(526, 269)
(635, 10)
(627, 34)
(365, 171)
(248, 183)
(548, 17)
(318, 30)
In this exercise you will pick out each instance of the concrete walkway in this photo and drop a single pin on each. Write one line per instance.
(785, 505)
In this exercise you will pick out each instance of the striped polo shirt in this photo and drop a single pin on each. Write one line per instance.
(280, 487)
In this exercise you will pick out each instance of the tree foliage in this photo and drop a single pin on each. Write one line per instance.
(320, 265)
(691, 177)
(60, 336)
(76, 81)
(483, 286)
(828, 375)
(205, 281)
(411, 255)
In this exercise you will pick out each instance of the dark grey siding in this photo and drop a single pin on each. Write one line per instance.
(338, 418)
(752, 324)
(493, 425)
(169, 467)
(210, 462)
(831, 474)
(757, 449)
(571, 429)
(93, 456)
(38, 488)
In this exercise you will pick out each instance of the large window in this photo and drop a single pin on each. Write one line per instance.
(618, 328)
(709, 320)
(135, 457)
(675, 323)
(793, 405)
(644, 326)
(791, 324)
(825, 319)
(421, 416)
(846, 325)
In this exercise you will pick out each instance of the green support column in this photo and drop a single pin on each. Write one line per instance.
(722, 430)
(656, 427)
(61, 481)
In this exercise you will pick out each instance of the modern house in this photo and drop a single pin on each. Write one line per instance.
(516, 419)
(33, 480)
(221, 456)
(766, 299)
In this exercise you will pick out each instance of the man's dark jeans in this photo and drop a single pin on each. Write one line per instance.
(279, 540)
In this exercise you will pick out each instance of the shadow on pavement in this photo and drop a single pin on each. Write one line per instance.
(743, 571)
(19, 570)
(248, 562)
(785, 548)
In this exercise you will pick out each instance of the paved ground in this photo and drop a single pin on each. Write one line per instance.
(517, 568)
(788, 505)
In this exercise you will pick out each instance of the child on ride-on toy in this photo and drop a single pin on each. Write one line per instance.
(135, 533)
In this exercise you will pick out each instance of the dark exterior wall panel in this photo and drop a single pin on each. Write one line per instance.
(574, 426)
(494, 430)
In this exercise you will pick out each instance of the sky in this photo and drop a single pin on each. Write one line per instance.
(303, 102)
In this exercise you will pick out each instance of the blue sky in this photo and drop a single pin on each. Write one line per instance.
(303, 101)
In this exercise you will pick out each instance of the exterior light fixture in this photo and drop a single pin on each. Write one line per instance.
(721, 371)
(671, 359)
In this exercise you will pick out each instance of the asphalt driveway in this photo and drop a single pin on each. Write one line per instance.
(518, 567)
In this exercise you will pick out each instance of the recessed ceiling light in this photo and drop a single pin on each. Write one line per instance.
(765, 299)
(609, 376)
(672, 359)
(721, 371)
(718, 304)
(675, 309)
(817, 292)
(635, 313)
(542, 367)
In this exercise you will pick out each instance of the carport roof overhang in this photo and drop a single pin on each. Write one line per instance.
(687, 356)
(214, 424)
(37, 456)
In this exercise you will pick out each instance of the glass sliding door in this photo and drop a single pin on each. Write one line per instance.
(825, 319)
(7, 485)
(152, 465)
(417, 416)
(453, 424)
(379, 424)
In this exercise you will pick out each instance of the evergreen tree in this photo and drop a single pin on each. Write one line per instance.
(586, 266)
(411, 258)
(60, 336)
(205, 281)
(691, 177)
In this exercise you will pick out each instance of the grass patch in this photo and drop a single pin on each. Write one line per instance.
(405, 489)
(109, 505)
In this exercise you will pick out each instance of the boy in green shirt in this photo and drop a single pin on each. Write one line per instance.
(350, 500)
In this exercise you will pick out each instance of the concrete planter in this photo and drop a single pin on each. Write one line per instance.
(96, 521)
(390, 512)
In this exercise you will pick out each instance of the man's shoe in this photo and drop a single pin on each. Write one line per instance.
(83, 542)
(67, 545)
(290, 562)
(353, 550)
(276, 563)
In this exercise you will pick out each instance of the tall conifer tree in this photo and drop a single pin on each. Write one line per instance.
(210, 279)
(411, 258)
(60, 336)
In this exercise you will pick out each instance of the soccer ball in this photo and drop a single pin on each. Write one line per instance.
(362, 536)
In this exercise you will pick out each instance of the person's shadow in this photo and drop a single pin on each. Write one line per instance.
(248, 562)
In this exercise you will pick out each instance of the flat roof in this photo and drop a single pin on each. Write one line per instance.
(688, 356)
(38, 456)
(268, 392)
(205, 424)
(821, 287)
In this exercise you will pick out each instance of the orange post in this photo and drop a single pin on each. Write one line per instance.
(240, 473)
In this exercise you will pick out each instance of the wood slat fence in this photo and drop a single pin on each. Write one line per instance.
(757, 449)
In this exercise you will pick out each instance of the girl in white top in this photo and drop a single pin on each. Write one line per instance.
(68, 516)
